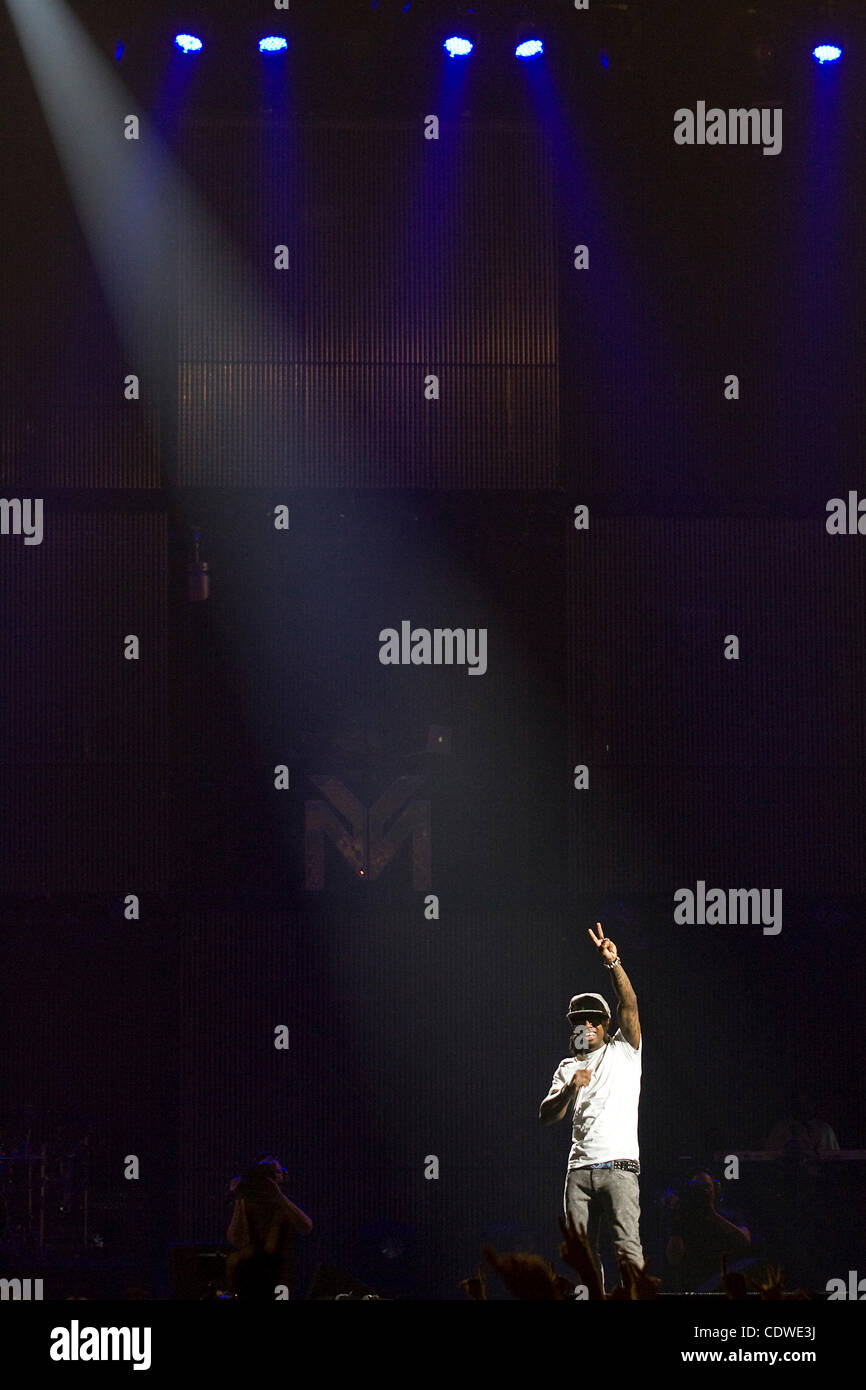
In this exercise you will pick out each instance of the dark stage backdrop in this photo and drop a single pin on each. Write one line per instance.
(397, 269)
(257, 825)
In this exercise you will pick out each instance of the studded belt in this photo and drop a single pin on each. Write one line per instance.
(628, 1165)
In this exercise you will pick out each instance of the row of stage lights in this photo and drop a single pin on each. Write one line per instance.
(457, 47)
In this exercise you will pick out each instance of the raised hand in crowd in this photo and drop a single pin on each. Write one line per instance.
(475, 1287)
(773, 1288)
(636, 1282)
(734, 1282)
(527, 1277)
(576, 1253)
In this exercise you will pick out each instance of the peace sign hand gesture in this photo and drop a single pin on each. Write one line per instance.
(605, 945)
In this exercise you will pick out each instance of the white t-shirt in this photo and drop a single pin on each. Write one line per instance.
(604, 1125)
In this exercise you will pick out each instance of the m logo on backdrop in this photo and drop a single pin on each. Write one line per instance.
(367, 837)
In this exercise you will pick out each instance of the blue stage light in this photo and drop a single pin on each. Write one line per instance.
(457, 48)
(826, 53)
(530, 48)
(188, 43)
(274, 43)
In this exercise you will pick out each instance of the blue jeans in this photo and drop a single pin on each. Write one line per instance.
(613, 1193)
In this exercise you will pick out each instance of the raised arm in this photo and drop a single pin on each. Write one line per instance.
(298, 1220)
(629, 1021)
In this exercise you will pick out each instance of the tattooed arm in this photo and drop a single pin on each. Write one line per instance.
(629, 1021)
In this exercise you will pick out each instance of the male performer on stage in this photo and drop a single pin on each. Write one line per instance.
(602, 1080)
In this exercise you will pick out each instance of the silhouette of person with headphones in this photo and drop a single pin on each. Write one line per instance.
(700, 1234)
